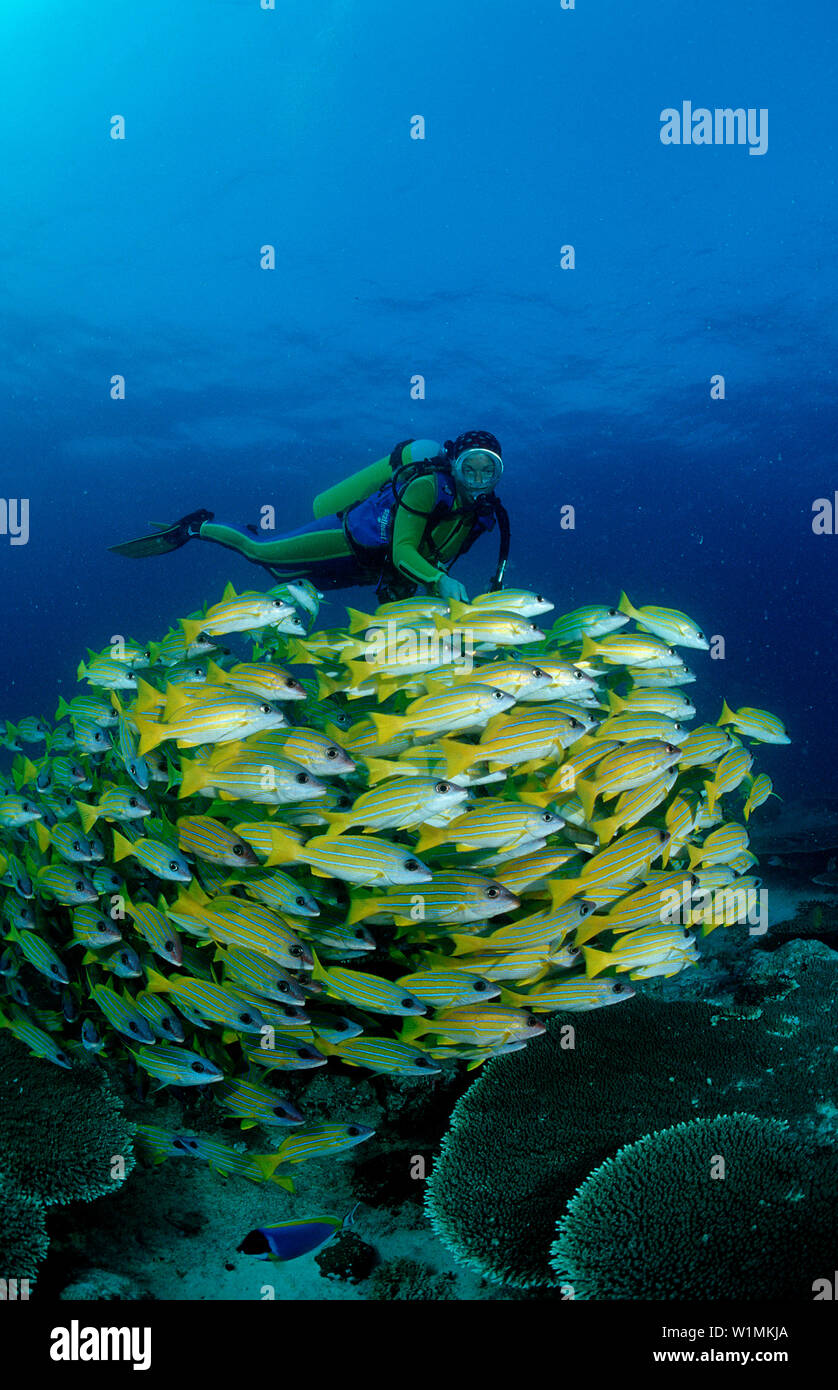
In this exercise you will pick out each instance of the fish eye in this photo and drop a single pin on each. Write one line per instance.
(547, 818)
(295, 951)
(77, 847)
(353, 1130)
(303, 1053)
(480, 986)
(134, 1027)
(407, 1003)
(196, 1066)
(412, 865)
(132, 769)
(531, 1021)
(331, 752)
(238, 849)
(492, 892)
(301, 778)
(442, 787)
(575, 724)
(277, 1109)
(247, 1018)
(169, 945)
(497, 694)
(199, 671)
(618, 989)
(299, 902)
(359, 934)
(79, 886)
(133, 802)
(266, 709)
(422, 1062)
(174, 865)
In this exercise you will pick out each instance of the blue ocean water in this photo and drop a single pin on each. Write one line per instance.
(440, 257)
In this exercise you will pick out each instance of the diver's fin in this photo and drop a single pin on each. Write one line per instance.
(165, 538)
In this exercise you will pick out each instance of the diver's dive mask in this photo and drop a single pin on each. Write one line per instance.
(477, 471)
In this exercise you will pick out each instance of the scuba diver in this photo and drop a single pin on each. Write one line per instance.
(398, 524)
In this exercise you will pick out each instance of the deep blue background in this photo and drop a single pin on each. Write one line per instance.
(438, 257)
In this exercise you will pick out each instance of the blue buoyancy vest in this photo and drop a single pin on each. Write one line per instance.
(369, 524)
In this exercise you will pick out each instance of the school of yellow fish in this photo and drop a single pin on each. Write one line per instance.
(394, 844)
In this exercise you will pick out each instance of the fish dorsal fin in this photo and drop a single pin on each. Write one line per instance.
(229, 591)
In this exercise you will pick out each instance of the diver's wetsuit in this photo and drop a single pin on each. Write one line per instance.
(334, 551)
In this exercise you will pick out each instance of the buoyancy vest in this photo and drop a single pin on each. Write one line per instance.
(369, 524)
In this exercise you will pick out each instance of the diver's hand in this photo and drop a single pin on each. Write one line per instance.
(447, 588)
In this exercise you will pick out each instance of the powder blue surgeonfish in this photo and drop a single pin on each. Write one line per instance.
(291, 1239)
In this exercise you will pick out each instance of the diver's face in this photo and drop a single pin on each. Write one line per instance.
(477, 472)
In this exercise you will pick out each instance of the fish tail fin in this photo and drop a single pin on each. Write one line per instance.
(458, 610)
(595, 961)
(81, 672)
(727, 716)
(299, 654)
(615, 703)
(357, 910)
(388, 726)
(192, 627)
(151, 733)
(589, 647)
(359, 672)
(337, 822)
(695, 853)
(283, 849)
(193, 776)
(43, 837)
(326, 686)
(605, 829)
(157, 983)
(380, 769)
(88, 815)
(466, 945)
(430, 836)
(625, 606)
(562, 890)
(518, 1001)
(359, 622)
(587, 793)
(147, 697)
(121, 847)
(26, 772)
(713, 795)
(216, 675)
(319, 972)
(413, 1028)
(458, 756)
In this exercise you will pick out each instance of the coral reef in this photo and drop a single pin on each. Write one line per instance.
(23, 1233)
(63, 1135)
(535, 1124)
(404, 1278)
(733, 1207)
